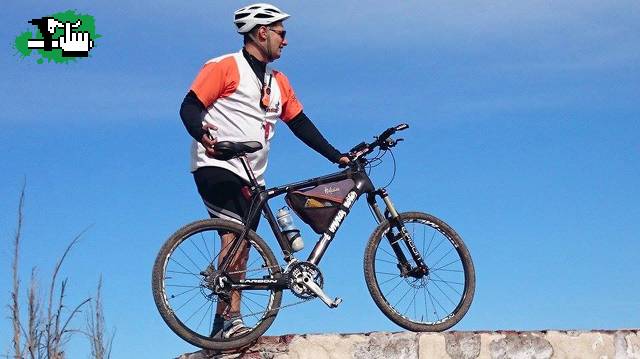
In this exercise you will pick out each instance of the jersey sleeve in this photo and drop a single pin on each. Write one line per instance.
(215, 80)
(291, 107)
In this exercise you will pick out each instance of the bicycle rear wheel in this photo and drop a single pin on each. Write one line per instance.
(182, 289)
(438, 300)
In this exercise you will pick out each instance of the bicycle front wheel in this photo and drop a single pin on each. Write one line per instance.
(182, 284)
(430, 303)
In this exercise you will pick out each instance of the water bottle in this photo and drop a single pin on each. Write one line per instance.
(285, 222)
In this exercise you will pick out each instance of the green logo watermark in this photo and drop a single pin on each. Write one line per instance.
(60, 38)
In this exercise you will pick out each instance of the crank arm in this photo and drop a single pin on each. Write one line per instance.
(308, 282)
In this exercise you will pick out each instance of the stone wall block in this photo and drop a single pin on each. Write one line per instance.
(432, 346)
(521, 345)
(627, 344)
(387, 345)
(579, 345)
(462, 345)
(327, 346)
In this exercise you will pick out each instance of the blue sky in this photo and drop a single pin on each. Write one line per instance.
(524, 137)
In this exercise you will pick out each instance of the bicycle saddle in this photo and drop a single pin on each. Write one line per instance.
(226, 150)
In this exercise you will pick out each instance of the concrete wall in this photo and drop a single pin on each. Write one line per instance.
(617, 344)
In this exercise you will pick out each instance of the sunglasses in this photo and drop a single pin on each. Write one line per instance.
(282, 33)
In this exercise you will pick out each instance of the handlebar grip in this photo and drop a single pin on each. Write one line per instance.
(388, 132)
(402, 126)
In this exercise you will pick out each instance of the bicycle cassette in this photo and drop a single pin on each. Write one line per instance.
(296, 272)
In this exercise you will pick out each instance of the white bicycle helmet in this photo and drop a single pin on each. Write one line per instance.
(249, 16)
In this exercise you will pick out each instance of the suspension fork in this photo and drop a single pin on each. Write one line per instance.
(391, 214)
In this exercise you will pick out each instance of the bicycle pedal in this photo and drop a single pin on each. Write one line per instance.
(336, 302)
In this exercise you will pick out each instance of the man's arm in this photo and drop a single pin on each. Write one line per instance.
(191, 115)
(305, 130)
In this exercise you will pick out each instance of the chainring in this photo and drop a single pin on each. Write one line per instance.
(296, 271)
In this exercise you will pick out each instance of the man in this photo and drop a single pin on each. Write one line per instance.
(237, 97)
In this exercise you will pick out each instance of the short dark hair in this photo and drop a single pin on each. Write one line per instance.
(247, 35)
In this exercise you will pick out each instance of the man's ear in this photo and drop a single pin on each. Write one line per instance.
(262, 32)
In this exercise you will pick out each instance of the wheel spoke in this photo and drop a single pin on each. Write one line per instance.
(435, 309)
(182, 286)
(404, 295)
(207, 248)
(189, 258)
(185, 268)
(430, 242)
(394, 288)
(196, 311)
(387, 273)
(389, 254)
(386, 261)
(173, 296)
(209, 309)
(388, 280)
(448, 283)
(180, 272)
(441, 258)
(435, 248)
(426, 307)
(413, 300)
(445, 294)
(446, 265)
(193, 243)
(187, 302)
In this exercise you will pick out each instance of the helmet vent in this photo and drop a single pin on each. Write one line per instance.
(263, 16)
(240, 16)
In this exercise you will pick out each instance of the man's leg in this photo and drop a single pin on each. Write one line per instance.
(237, 268)
(221, 192)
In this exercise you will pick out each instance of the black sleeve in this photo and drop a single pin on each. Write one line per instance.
(191, 115)
(305, 130)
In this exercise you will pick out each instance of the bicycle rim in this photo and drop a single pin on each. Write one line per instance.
(434, 302)
(183, 295)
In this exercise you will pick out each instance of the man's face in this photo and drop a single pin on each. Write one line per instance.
(277, 40)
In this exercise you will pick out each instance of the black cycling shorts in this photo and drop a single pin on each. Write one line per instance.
(221, 192)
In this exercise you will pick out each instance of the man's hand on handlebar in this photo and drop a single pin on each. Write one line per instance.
(383, 142)
(344, 160)
(208, 140)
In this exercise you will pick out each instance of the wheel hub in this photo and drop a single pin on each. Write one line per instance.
(216, 282)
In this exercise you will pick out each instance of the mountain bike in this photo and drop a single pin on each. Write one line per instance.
(416, 267)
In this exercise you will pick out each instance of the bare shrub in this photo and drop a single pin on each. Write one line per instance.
(46, 335)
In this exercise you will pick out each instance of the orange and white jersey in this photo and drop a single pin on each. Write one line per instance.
(231, 93)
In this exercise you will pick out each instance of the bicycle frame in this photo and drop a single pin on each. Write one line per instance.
(259, 203)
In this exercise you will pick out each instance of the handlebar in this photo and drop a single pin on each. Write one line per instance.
(382, 141)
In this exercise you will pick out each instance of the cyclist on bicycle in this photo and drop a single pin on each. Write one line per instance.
(238, 97)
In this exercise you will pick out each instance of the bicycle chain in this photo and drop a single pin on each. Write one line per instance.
(278, 308)
(285, 272)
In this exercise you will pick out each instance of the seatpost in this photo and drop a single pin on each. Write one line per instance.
(247, 168)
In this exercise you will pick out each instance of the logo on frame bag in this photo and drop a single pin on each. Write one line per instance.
(58, 38)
